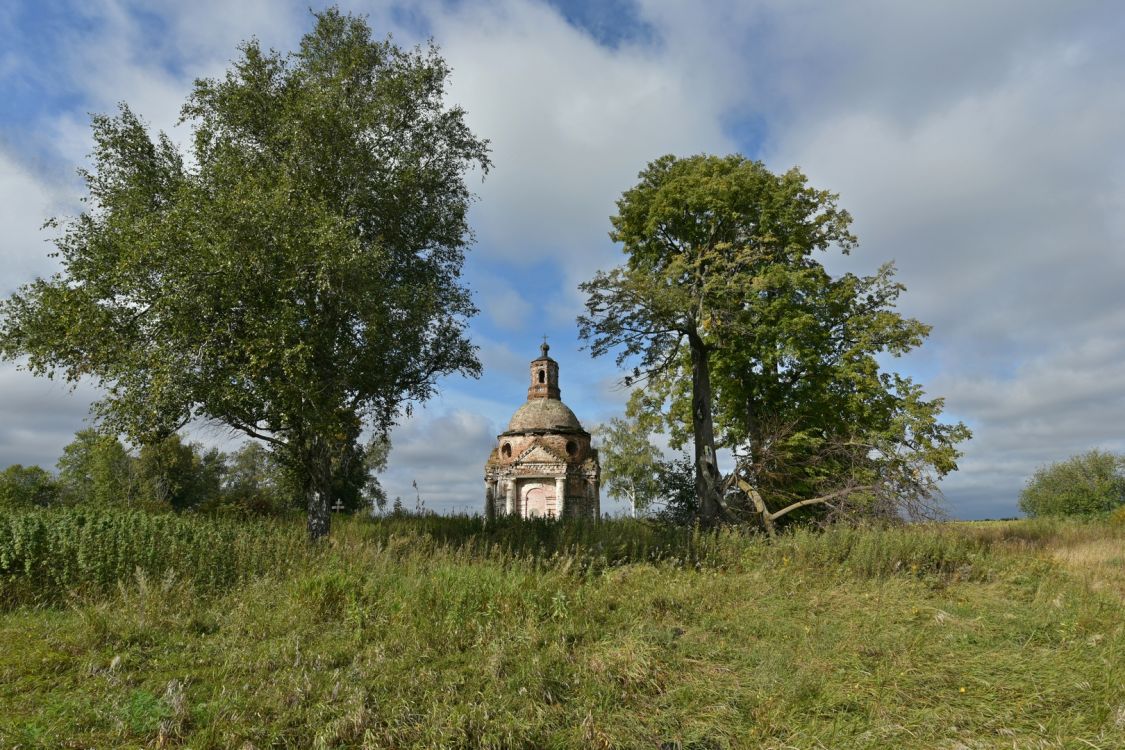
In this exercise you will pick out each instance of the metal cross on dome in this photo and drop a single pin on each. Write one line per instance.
(544, 347)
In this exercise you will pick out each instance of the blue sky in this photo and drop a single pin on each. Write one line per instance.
(976, 145)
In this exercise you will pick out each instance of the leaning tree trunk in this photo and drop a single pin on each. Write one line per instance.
(707, 476)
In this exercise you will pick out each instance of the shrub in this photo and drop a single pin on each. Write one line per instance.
(1117, 517)
(26, 487)
(1088, 484)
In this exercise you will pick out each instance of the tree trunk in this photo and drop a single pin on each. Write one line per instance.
(703, 427)
(318, 493)
(768, 519)
(320, 519)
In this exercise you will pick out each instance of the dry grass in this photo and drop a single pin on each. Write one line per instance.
(1099, 562)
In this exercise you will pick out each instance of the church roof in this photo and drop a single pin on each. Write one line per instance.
(544, 414)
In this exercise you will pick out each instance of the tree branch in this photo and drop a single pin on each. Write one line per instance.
(822, 500)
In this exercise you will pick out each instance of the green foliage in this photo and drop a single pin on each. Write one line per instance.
(677, 490)
(27, 487)
(739, 331)
(253, 482)
(295, 276)
(410, 633)
(143, 712)
(372, 495)
(257, 481)
(630, 464)
(176, 474)
(803, 402)
(357, 487)
(95, 468)
(589, 546)
(701, 235)
(46, 555)
(1088, 484)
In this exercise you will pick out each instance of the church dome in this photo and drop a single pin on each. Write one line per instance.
(544, 414)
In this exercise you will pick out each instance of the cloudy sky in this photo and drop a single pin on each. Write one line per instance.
(978, 145)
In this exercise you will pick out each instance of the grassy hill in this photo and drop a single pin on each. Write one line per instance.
(127, 630)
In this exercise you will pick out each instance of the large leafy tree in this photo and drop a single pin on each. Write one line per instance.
(745, 341)
(630, 463)
(96, 468)
(1086, 484)
(296, 278)
(27, 487)
(178, 474)
(815, 424)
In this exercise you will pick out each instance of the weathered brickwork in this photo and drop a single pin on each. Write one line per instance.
(543, 464)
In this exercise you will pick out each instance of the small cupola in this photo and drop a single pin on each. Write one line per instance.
(544, 376)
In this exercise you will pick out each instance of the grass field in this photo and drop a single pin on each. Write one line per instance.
(120, 630)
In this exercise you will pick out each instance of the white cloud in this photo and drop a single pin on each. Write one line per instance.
(26, 200)
(149, 54)
(444, 452)
(986, 206)
(571, 124)
(998, 192)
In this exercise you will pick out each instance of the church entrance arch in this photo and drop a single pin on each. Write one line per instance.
(539, 500)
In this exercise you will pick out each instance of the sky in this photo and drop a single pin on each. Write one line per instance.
(977, 145)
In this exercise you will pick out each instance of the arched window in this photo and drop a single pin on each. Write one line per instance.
(571, 447)
(542, 377)
(506, 450)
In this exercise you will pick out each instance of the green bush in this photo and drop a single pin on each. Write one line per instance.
(1090, 484)
(27, 487)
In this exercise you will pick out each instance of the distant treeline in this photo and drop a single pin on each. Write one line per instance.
(97, 469)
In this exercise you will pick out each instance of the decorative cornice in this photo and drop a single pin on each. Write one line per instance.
(537, 444)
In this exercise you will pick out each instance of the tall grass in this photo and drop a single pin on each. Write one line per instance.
(47, 554)
(448, 633)
(589, 545)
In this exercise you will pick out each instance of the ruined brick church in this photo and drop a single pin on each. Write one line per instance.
(543, 464)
